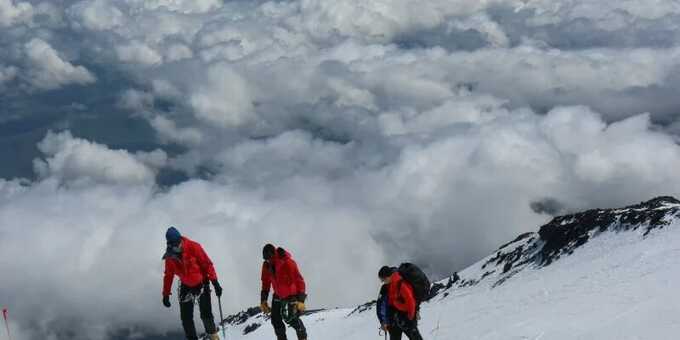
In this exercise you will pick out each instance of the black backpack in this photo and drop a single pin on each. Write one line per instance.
(418, 280)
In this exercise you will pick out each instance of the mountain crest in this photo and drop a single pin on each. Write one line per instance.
(564, 234)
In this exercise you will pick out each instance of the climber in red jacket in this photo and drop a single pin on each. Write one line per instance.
(280, 271)
(187, 259)
(401, 298)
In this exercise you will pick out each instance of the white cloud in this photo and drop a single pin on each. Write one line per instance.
(136, 100)
(156, 159)
(107, 232)
(483, 24)
(138, 52)
(98, 15)
(12, 12)
(178, 52)
(377, 21)
(475, 181)
(225, 99)
(184, 6)
(50, 71)
(168, 131)
(601, 12)
(297, 154)
(79, 162)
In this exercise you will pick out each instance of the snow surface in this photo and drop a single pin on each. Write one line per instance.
(619, 285)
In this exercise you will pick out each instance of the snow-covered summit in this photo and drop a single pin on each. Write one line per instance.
(564, 234)
(602, 273)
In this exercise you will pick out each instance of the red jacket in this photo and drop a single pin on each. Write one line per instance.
(193, 269)
(401, 296)
(283, 274)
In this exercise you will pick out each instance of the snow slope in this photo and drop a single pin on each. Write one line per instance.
(601, 274)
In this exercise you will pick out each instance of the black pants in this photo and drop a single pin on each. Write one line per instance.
(187, 296)
(280, 327)
(402, 325)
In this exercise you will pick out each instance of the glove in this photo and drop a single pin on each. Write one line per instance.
(218, 288)
(385, 327)
(300, 306)
(265, 307)
(166, 301)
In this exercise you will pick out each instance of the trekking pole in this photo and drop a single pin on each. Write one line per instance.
(4, 315)
(224, 332)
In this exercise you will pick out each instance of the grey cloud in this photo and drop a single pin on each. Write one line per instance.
(548, 206)
(12, 12)
(7, 73)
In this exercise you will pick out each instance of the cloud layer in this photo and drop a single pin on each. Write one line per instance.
(353, 133)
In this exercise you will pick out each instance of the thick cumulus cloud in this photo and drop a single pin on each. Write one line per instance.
(353, 133)
(75, 161)
(50, 71)
(224, 100)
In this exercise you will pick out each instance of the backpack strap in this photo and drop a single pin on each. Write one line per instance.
(400, 298)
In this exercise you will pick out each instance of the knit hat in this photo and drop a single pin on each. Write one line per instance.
(268, 251)
(173, 236)
(385, 271)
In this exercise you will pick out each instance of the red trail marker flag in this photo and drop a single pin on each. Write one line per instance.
(4, 316)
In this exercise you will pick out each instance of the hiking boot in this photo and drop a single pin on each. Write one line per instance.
(214, 336)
